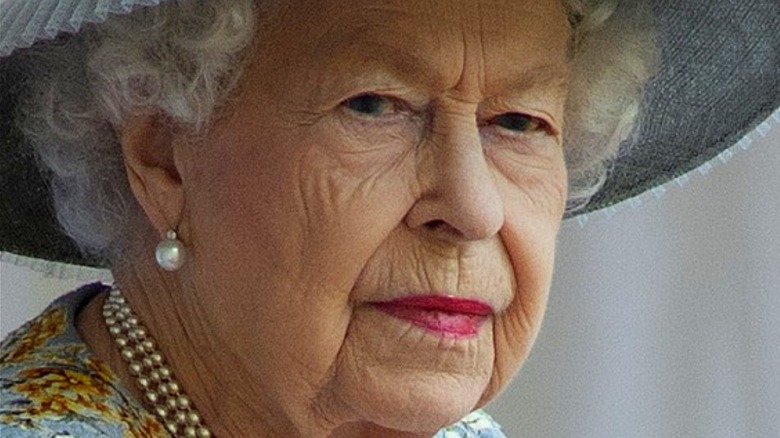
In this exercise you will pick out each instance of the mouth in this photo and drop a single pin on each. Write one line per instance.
(441, 314)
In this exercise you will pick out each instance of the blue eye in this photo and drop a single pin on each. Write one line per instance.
(518, 122)
(371, 105)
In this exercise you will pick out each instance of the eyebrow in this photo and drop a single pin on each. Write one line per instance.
(554, 76)
(409, 67)
(412, 68)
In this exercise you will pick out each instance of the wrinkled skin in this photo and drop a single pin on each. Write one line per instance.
(373, 150)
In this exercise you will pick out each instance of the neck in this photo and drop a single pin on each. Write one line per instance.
(207, 375)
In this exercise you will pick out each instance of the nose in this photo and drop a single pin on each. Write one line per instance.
(459, 199)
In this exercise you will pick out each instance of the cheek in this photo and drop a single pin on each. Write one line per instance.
(349, 203)
(291, 212)
(298, 199)
(533, 216)
(236, 202)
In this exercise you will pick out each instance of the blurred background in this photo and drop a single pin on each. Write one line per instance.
(664, 318)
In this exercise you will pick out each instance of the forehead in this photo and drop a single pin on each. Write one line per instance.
(434, 39)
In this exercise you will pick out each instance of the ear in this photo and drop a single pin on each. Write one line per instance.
(148, 149)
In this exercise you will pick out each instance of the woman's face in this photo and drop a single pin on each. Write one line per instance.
(372, 224)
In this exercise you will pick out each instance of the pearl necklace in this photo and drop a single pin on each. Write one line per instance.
(162, 393)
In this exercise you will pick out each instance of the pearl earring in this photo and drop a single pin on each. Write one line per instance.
(170, 252)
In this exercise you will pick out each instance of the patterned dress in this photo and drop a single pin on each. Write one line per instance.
(51, 385)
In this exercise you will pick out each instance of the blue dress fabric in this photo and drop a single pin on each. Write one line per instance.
(52, 385)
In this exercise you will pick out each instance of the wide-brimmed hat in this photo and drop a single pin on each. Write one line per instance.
(719, 78)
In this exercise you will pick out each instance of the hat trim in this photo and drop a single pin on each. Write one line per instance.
(25, 22)
(772, 123)
(57, 270)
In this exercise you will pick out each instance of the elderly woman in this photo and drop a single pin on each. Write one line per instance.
(323, 220)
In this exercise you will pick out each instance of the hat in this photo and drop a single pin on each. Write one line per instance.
(718, 79)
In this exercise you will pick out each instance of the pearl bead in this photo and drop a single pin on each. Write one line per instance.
(156, 358)
(173, 388)
(203, 432)
(144, 382)
(193, 417)
(165, 372)
(182, 402)
(161, 411)
(170, 253)
(190, 432)
(127, 354)
(137, 334)
(152, 397)
(172, 427)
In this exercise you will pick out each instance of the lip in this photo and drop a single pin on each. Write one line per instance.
(441, 314)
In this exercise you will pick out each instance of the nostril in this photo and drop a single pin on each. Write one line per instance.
(440, 226)
(437, 224)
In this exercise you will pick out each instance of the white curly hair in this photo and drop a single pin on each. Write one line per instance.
(185, 57)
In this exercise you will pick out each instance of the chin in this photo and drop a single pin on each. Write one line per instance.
(433, 408)
(397, 376)
(419, 402)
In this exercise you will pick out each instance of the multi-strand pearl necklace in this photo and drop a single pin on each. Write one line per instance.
(162, 393)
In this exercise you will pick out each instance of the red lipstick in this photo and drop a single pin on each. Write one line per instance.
(445, 315)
